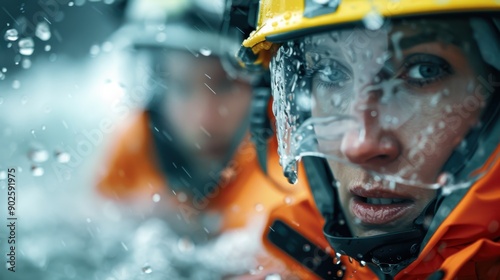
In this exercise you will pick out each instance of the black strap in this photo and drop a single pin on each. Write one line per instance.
(260, 125)
(304, 251)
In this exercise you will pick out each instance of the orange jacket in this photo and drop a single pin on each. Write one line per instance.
(466, 245)
(246, 196)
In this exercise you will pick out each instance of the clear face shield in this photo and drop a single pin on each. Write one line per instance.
(392, 104)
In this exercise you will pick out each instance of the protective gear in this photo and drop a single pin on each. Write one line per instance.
(244, 196)
(357, 90)
(195, 30)
(150, 162)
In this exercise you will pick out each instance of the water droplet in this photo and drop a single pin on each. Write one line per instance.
(147, 269)
(373, 20)
(2, 76)
(95, 50)
(11, 35)
(71, 4)
(26, 46)
(26, 63)
(362, 263)
(47, 48)
(89, 220)
(124, 246)
(392, 185)
(435, 100)
(37, 170)
(3, 174)
(156, 197)
(43, 31)
(445, 179)
(62, 157)
(16, 84)
(321, 2)
(259, 207)
(273, 276)
(38, 155)
(205, 51)
(350, 259)
(306, 248)
(185, 245)
(340, 273)
(4, 70)
(288, 200)
(182, 197)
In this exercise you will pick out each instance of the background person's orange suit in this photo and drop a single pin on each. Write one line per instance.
(245, 197)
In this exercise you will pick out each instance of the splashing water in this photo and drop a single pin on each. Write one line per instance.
(205, 51)
(373, 20)
(273, 276)
(11, 35)
(26, 46)
(147, 269)
(62, 157)
(156, 197)
(43, 31)
(37, 171)
(38, 155)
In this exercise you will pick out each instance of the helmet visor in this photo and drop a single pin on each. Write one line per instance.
(397, 101)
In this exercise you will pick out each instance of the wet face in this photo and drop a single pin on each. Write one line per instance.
(203, 106)
(413, 93)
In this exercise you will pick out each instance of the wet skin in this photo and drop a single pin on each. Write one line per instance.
(415, 69)
(205, 107)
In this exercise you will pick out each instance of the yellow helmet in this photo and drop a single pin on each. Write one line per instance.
(278, 21)
(392, 105)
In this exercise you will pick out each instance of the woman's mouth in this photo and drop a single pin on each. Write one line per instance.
(379, 206)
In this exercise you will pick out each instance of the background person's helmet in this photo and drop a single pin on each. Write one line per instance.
(285, 34)
(153, 30)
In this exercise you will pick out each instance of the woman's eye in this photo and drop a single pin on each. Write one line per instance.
(329, 77)
(424, 71)
(421, 70)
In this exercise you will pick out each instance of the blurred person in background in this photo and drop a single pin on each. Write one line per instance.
(187, 155)
(395, 105)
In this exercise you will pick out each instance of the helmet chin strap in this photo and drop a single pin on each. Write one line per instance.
(390, 250)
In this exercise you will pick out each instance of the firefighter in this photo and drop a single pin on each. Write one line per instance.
(188, 154)
(393, 108)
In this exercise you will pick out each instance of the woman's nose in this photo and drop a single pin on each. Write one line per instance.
(371, 144)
